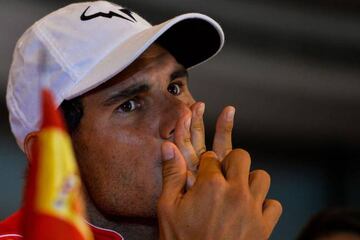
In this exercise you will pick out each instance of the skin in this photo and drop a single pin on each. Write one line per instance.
(225, 202)
(119, 139)
(115, 145)
(131, 185)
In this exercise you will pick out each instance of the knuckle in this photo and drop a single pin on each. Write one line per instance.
(263, 175)
(276, 205)
(224, 126)
(218, 195)
(169, 170)
(228, 128)
(187, 140)
(198, 127)
(236, 196)
(209, 155)
(214, 183)
(241, 153)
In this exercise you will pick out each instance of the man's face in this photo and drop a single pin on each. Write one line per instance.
(124, 124)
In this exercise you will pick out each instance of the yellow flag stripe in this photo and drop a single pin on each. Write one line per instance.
(58, 183)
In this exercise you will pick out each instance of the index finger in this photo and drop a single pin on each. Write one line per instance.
(236, 167)
(209, 166)
(197, 128)
(222, 144)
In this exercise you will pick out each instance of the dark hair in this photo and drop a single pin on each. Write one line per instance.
(73, 111)
(331, 221)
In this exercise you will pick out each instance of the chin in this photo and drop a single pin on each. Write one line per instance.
(149, 213)
(139, 208)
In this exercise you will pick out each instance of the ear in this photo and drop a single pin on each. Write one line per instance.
(30, 142)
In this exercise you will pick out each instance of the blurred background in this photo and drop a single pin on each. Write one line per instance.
(291, 69)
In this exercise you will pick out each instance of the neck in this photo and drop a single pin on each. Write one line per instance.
(129, 227)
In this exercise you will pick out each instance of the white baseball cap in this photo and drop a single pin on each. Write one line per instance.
(80, 46)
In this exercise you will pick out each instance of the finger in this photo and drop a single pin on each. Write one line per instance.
(236, 167)
(173, 172)
(209, 166)
(259, 182)
(183, 142)
(222, 144)
(272, 211)
(197, 128)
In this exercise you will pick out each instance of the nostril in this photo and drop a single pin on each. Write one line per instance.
(170, 136)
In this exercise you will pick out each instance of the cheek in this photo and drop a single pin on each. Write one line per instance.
(134, 152)
(122, 165)
(137, 155)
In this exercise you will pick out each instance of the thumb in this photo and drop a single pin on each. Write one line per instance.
(174, 171)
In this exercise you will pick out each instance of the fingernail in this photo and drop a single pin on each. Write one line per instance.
(187, 123)
(168, 152)
(201, 109)
(230, 114)
(190, 180)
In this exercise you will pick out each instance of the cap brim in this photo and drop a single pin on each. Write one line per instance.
(191, 38)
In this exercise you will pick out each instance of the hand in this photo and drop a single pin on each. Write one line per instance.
(226, 202)
(190, 137)
(190, 133)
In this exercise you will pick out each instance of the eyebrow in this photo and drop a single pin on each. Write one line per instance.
(134, 89)
(138, 88)
(179, 74)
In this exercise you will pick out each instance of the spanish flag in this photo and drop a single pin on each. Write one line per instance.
(53, 204)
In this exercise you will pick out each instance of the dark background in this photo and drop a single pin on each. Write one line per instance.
(291, 69)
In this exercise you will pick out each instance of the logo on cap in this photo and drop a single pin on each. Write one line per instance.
(110, 14)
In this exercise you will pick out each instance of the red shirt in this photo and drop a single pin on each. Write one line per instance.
(10, 230)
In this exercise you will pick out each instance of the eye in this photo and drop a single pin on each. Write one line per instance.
(129, 106)
(174, 89)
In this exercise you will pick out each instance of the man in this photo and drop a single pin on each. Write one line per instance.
(137, 132)
(333, 224)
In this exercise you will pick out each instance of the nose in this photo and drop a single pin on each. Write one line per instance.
(173, 110)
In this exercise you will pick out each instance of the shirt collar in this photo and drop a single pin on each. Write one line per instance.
(104, 234)
(12, 226)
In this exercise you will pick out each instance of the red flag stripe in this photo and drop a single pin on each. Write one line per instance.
(51, 116)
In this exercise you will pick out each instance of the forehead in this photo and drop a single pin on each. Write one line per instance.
(155, 60)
